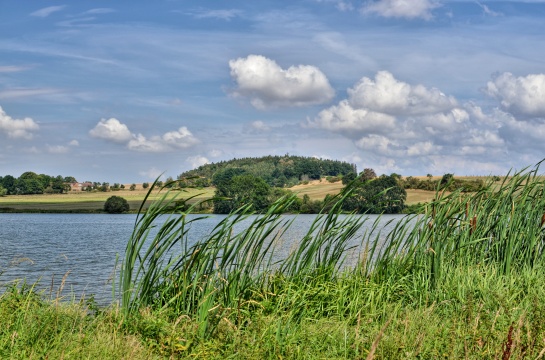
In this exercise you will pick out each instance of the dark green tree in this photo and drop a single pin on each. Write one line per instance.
(8, 182)
(116, 205)
(241, 190)
(381, 195)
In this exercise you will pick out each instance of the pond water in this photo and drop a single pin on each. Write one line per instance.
(82, 248)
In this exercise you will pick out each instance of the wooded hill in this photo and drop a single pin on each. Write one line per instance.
(278, 171)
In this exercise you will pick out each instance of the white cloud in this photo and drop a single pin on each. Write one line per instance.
(197, 161)
(260, 126)
(388, 95)
(20, 93)
(224, 14)
(375, 143)
(422, 148)
(112, 130)
(99, 11)
(409, 9)
(353, 121)
(522, 96)
(140, 143)
(74, 143)
(57, 149)
(183, 138)
(268, 85)
(215, 153)
(17, 128)
(412, 125)
(45, 12)
(12, 68)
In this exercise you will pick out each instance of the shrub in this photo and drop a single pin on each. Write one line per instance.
(116, 205)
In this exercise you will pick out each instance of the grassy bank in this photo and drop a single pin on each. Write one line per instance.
(463, 280)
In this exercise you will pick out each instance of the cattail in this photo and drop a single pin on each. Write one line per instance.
(473, 224)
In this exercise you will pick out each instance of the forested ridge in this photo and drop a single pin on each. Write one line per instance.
(278, 171)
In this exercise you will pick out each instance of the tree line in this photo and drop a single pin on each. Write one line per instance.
(236, 187)
(31, 183)
(276, 171)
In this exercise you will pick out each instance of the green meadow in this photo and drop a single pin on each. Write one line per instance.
(464, 279)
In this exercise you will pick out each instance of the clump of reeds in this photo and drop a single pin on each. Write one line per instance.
(231, 272)
(213, 278)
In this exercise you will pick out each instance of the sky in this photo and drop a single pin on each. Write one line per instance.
(126, 90)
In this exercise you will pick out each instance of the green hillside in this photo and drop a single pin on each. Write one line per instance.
(277, 171)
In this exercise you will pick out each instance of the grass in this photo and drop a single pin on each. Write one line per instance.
(463, 280)
(88, 201)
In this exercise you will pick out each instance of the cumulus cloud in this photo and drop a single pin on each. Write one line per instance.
(353, 121)
(112, 130)
(522, 96)
(394, 122)
(169, 141)
(267, 85)
(73, 143)
(45, 12)
(17, 128)
(412, 9)
(115, 131)
(197, 161)
(183, 138)
(388, 95)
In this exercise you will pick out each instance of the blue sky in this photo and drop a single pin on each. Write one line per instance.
(122, 91)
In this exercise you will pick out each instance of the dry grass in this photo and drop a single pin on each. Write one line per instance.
(317, 189)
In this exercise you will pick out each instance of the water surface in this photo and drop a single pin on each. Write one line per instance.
(83, 247)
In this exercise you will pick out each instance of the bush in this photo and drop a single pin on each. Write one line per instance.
(116, 205)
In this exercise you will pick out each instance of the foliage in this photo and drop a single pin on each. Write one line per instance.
(3, 191)
(279, 171)
(367, 174)
(470, 267)
(376, 196)
(241, 190)
(145, 185)
(116, 205)
(463, 280)
(32, 183)
(448, 182)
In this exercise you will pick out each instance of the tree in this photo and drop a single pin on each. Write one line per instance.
(381, 195)
(8, 182)
(348, 178)
(3, 191)
(133, 187)
(241, 190)
(145, 185)
(368, 174)
(116, 205)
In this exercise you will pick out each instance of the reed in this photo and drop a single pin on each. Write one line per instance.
(229, 276)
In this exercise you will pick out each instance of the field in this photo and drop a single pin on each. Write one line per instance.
(88, 201)
(94, 201)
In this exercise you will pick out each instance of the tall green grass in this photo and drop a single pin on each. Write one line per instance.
(457, 249)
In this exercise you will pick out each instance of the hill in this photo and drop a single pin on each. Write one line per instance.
(279, 171)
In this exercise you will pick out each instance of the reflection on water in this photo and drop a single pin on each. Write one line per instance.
(83, 248)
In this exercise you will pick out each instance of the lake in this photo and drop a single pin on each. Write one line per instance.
(46, 247)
